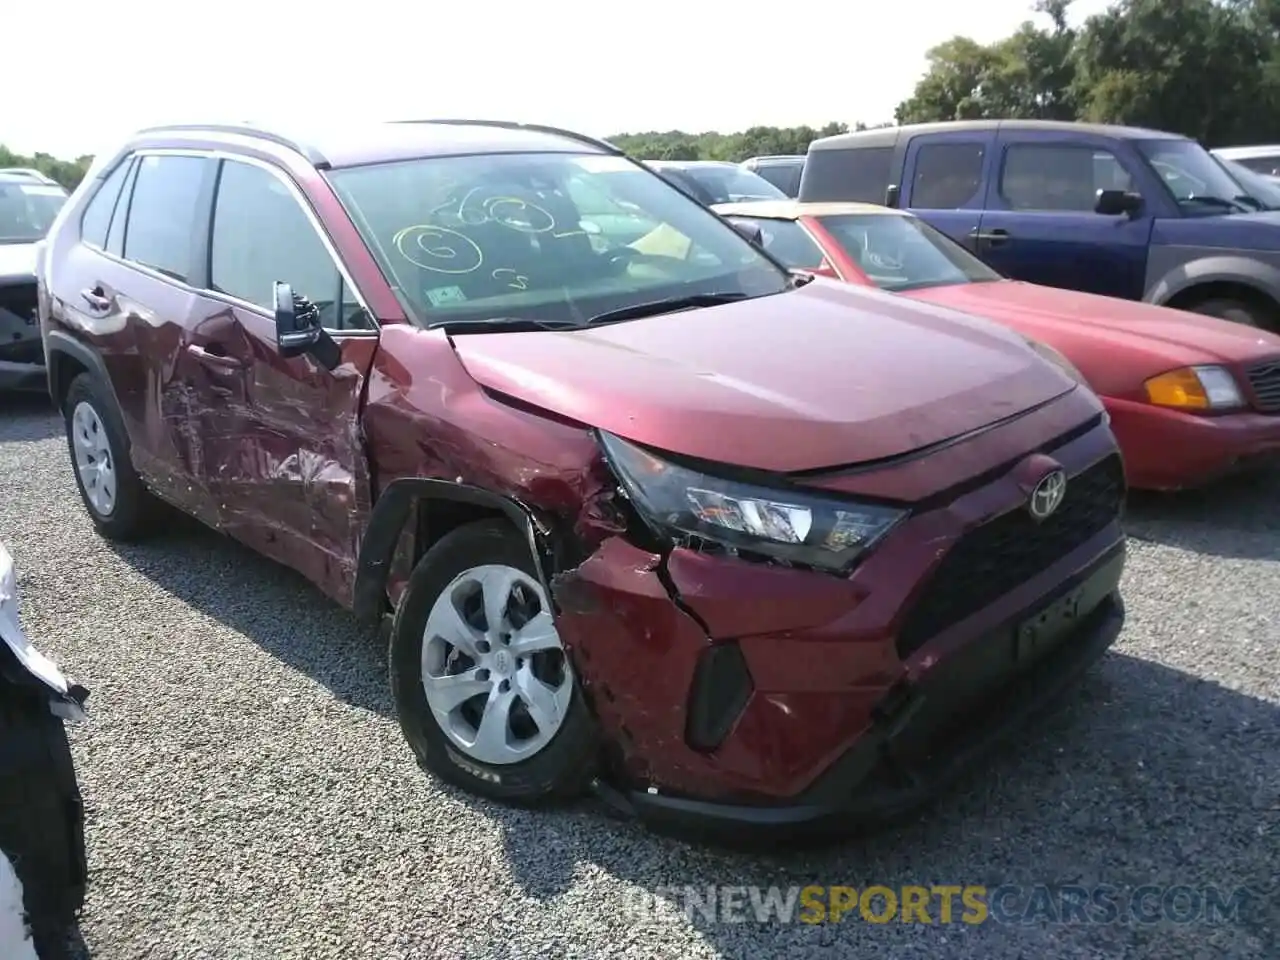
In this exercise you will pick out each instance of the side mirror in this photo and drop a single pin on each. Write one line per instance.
(750, 230)
(891, 194)
(299, 331)
(1112, 203)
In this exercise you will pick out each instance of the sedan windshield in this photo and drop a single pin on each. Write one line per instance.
(1194, 178)
(27, 210)
(548, 237)
(903, 253)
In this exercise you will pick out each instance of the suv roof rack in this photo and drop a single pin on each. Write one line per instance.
(604, 145)
(246, 129)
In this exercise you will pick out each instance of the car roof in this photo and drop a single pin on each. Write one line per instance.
(793, 209)
(355, 144)
(889, 134)
(1248, 153)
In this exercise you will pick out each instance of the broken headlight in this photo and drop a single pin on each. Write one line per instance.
(789, 525)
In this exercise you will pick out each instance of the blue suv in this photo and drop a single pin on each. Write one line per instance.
(1117, 211)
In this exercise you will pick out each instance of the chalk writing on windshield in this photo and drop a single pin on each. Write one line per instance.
(442, 246)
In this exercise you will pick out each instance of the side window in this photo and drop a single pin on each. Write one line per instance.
(1059, 177)
(115, 237)
(261, 235)
(947, 175)
(161, 232)
(854, 173)
(96, 220)
(1268, 166)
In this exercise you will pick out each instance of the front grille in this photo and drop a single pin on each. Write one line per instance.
(1004, 553)
(1264, 378)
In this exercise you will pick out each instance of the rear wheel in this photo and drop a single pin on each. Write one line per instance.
(485, 692)
(118, 502)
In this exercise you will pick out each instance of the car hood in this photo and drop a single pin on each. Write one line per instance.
(820, 376)
(1061, 318)
(17, 261)
(1235, 231)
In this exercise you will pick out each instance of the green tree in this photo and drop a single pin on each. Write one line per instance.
(1028, 75)
(734, 147)
(1196, 67)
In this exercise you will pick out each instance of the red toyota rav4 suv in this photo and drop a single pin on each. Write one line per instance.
(727, 544)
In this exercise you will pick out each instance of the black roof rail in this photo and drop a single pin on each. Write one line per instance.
(604, 145)
(314, 156)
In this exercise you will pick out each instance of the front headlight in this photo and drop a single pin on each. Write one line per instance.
(789, 525)
(1057, 359)
(1205, 387)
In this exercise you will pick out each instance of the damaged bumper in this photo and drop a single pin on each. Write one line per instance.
(740, 694)
(925, 741)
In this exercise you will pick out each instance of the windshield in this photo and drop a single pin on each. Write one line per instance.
(27, 210)
(1194, 178)
(1266, 190)
(903, 253)
(545, 237)
(731, 184)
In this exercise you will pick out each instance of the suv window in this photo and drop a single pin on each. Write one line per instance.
(947, 175)
(162, 214)
(261, 235)
(1059, 177)
(97, 215)
(854, 173)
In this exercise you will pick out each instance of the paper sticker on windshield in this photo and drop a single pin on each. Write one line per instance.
(443, 296)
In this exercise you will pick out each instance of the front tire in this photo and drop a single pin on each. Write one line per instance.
(118, 502)
(1237, 311)
(485, 693)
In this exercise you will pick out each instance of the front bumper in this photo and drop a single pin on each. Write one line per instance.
(937, 732)
(21, 350)
(730, 689)
(1171, 450)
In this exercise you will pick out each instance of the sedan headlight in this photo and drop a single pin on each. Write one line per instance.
(1057, 359)
(1206, 387)
(789, 525)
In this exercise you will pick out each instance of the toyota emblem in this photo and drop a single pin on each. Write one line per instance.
(1048, 495)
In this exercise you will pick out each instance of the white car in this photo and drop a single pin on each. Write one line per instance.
(41, 812)
(1263, 159)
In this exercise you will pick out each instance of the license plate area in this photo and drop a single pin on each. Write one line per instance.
(1039, 633)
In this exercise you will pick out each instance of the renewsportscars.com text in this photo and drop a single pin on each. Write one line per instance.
(946, 904)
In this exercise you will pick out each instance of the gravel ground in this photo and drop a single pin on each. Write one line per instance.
(250, 795)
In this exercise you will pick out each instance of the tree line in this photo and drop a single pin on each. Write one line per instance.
(1209, 69)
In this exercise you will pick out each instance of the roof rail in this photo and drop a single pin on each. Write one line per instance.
(604, 145)
(246, 129)
(30, 173)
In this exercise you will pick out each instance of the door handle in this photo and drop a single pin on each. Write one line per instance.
(993, 237)
(96, 298)
(213, 358)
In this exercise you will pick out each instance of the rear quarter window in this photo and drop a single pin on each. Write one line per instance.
(162, 213)
(852, 173)
(96, 220)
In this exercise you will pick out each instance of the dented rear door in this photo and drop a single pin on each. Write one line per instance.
(283, 449)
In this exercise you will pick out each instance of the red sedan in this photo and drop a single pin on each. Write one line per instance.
(1191, 397)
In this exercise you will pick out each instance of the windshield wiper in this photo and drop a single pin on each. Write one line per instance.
(670, 305)
(481, 324)
(1222, 202)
